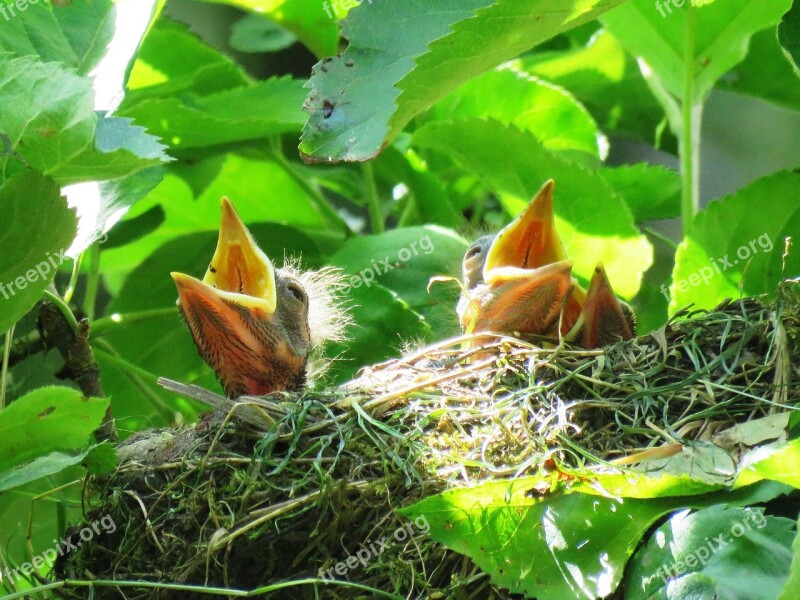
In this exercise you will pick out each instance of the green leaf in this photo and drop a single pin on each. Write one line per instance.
(529, 103)
(780, 464)
(608, 82)
(403, 260)
(789, 36)
(792, 584)
(37, 227)
(255, 33)
(361, 100)
(172, 61)
(734, 250)
(244, 113)
(515, 164)
(312, 21)
(651, 192)
(765, 73)
(76, 35)
(383, 322)
(717, 552)
(50, 419)
(53, 120)
(120, 149)
(101, 459)
(42, 466)
(552, 548)
(720, 32)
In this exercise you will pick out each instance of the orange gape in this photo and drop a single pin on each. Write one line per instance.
(248, 320)
(520, 280)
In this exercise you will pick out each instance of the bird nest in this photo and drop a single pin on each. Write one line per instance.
(288, 492)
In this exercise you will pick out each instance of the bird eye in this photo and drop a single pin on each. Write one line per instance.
(296, 291)
(472, 252)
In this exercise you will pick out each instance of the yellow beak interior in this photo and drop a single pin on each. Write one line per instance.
(530, 241)
(239, 270)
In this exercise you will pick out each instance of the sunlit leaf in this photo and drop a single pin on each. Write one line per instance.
(244, 113)
(552, 547)
(608, 82)
(734, 250)
(529, 103)
(361, 100)
(172, 61)
(720, 36)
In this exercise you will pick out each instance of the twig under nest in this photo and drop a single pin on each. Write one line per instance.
(277, 488)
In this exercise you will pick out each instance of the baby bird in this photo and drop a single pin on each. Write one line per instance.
(250, 321)
(520, 280)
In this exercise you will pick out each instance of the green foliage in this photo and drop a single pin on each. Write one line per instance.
(570, 546)
(47, 420)
(36, 213)
(720, 33)
(789, 35)
(463, 108)
(721, 551)
(733, 247)
(363, 98)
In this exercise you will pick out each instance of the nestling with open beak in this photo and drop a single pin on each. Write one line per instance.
(520, 281)
(256, 325)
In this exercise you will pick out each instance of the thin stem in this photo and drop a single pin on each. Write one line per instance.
(92, 281)
(4, 374)
(321, 204)
(64, 308)
(690, 127)
(73, 278)
(373, 202)
(106, 324)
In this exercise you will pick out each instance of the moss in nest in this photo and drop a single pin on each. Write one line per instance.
(284, 488)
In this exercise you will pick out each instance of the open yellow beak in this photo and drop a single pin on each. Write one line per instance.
(530, 241)
(239, 271)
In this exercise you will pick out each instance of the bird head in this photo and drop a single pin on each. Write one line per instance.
(520, 279)
(250, 320)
